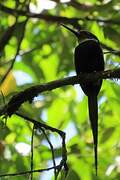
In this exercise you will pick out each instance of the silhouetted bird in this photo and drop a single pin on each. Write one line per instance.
(89, 58)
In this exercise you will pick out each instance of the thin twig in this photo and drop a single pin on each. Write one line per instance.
(52, 150)
(28, 172)
(39, 124)
(42, 126)
(110, 49)
(64, 152)
(63, 162)
(31, 175)
(23, 53)
(112, 52)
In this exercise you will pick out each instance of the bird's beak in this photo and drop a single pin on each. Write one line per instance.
(74, 32)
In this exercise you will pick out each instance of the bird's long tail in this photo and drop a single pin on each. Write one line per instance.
(93, 115)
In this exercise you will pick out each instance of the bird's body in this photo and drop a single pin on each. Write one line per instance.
(89, 58)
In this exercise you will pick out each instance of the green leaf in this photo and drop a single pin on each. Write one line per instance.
(107, 134)
(72, 175)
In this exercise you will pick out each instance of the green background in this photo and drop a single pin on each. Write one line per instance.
(50, 56)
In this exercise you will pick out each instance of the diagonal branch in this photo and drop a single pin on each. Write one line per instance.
(17, 52)
(29, 93)
(6, 36)
(28, 172)
(52, 150)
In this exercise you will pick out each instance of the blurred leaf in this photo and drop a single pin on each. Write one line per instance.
(57, 113)
(112, 33)
(49, 67)
(4, 131)
(81, 111)
(6, 86)
(107, 134)
(72, 175)
(97, 30)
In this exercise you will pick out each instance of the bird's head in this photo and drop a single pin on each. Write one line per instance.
(82, 34)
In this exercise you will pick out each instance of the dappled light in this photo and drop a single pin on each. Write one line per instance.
(45, 129)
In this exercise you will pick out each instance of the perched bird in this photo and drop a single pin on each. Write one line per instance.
(89, 58)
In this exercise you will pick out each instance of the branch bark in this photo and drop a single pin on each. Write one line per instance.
(28, 94)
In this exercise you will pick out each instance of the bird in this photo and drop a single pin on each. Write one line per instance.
(88, 58)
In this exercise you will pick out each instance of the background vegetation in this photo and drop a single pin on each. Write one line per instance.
(35, 49)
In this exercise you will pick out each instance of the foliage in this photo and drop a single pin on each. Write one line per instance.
(46, 54)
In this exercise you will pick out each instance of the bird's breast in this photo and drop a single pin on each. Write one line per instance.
(89, 57)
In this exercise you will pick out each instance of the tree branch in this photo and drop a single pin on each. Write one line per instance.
(61, 19)
(51, 18)
(28, 94)
(110, 50)
(43, 127)
(6, 36)
(28, 172)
